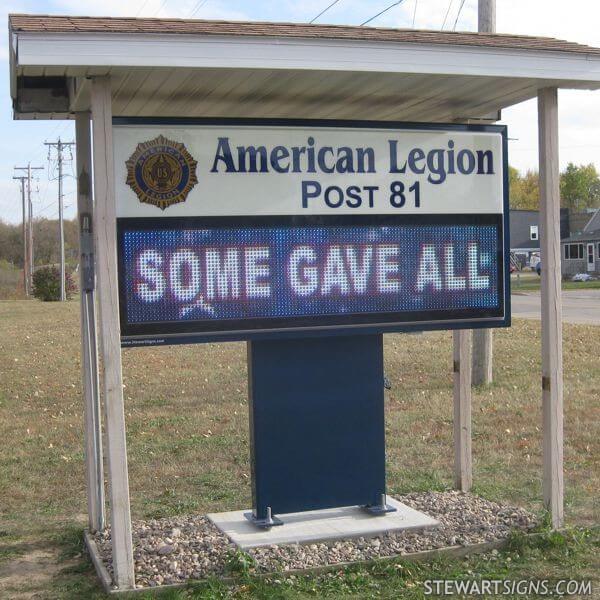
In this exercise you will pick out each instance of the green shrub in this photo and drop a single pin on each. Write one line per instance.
(46, 284)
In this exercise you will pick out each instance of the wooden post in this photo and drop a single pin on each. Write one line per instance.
(108, 299)
(483, 340)
(61, 221)
(89, 346)
(463, 469)
(552, 369)
(483, 353)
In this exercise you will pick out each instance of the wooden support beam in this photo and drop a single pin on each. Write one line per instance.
(79, 93)
(552, 367)
(94, 458)
(463, 464)
(483, 354)
(108, 300)
(483, 339)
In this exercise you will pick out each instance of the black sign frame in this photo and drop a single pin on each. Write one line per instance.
(144, 334)
(245, 329)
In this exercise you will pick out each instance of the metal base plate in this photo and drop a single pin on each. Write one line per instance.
(263, 523)
(379, 509)
(321, 525)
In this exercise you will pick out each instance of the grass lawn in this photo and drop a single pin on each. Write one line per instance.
(187, 415)
(528, 281)
(11, 281)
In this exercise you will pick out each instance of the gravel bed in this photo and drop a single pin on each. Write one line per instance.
(174, 550)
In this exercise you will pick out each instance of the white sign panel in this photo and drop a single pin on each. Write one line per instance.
(306, 170)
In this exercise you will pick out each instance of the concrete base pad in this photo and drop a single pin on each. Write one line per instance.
(320, 525)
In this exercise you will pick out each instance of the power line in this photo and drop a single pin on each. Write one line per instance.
(415, 13)
(55, 213)
(29, 243)
(59, 129)
(42, 196)
(196, 8)
(383, 11)
(51, 204)
(22, 179)
(570, 146)
(43, 210)
(60, 148)
(324, 11)
(458, 14)
(447, 13)
(160, 8)
(137, 14)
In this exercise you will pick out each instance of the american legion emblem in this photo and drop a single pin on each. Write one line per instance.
(161, 172)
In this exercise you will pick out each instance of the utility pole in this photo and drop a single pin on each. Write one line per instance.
(26, 286)
(483, 341)
(29, 249)
(487, 16)
(60, 146)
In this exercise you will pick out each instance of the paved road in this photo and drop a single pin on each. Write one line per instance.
(579, 306)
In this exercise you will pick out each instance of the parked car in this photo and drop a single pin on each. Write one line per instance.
(582, 277)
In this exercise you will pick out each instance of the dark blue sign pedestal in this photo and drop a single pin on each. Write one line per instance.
(316, 425)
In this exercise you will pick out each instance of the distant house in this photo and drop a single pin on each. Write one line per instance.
(525, 235)
(580, 239)
(578, 221)
(524, 231)
(580, 252)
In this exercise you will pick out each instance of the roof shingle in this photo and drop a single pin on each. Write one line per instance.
(69, 24)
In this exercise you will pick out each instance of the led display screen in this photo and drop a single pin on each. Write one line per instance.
(214, 276)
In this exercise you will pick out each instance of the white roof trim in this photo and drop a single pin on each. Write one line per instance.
(566, 69)
(12, 59)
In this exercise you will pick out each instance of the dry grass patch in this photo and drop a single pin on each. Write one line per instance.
(187, 421)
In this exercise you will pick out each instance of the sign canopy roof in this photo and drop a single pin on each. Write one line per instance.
(193, 68)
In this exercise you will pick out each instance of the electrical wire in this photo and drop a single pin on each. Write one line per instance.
(383, 11)
(44, 195)
(69, 163)
(55, 213)
(51, 204)
(415, 13)
(560, 146)
(56, 132)
(137, 14)
(39, 212)
(196, 8)
(52, 167)
(160, 8)
(447, 13)
(458, 14)
(324, 10)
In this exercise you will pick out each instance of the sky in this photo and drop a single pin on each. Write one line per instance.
(575, 20)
